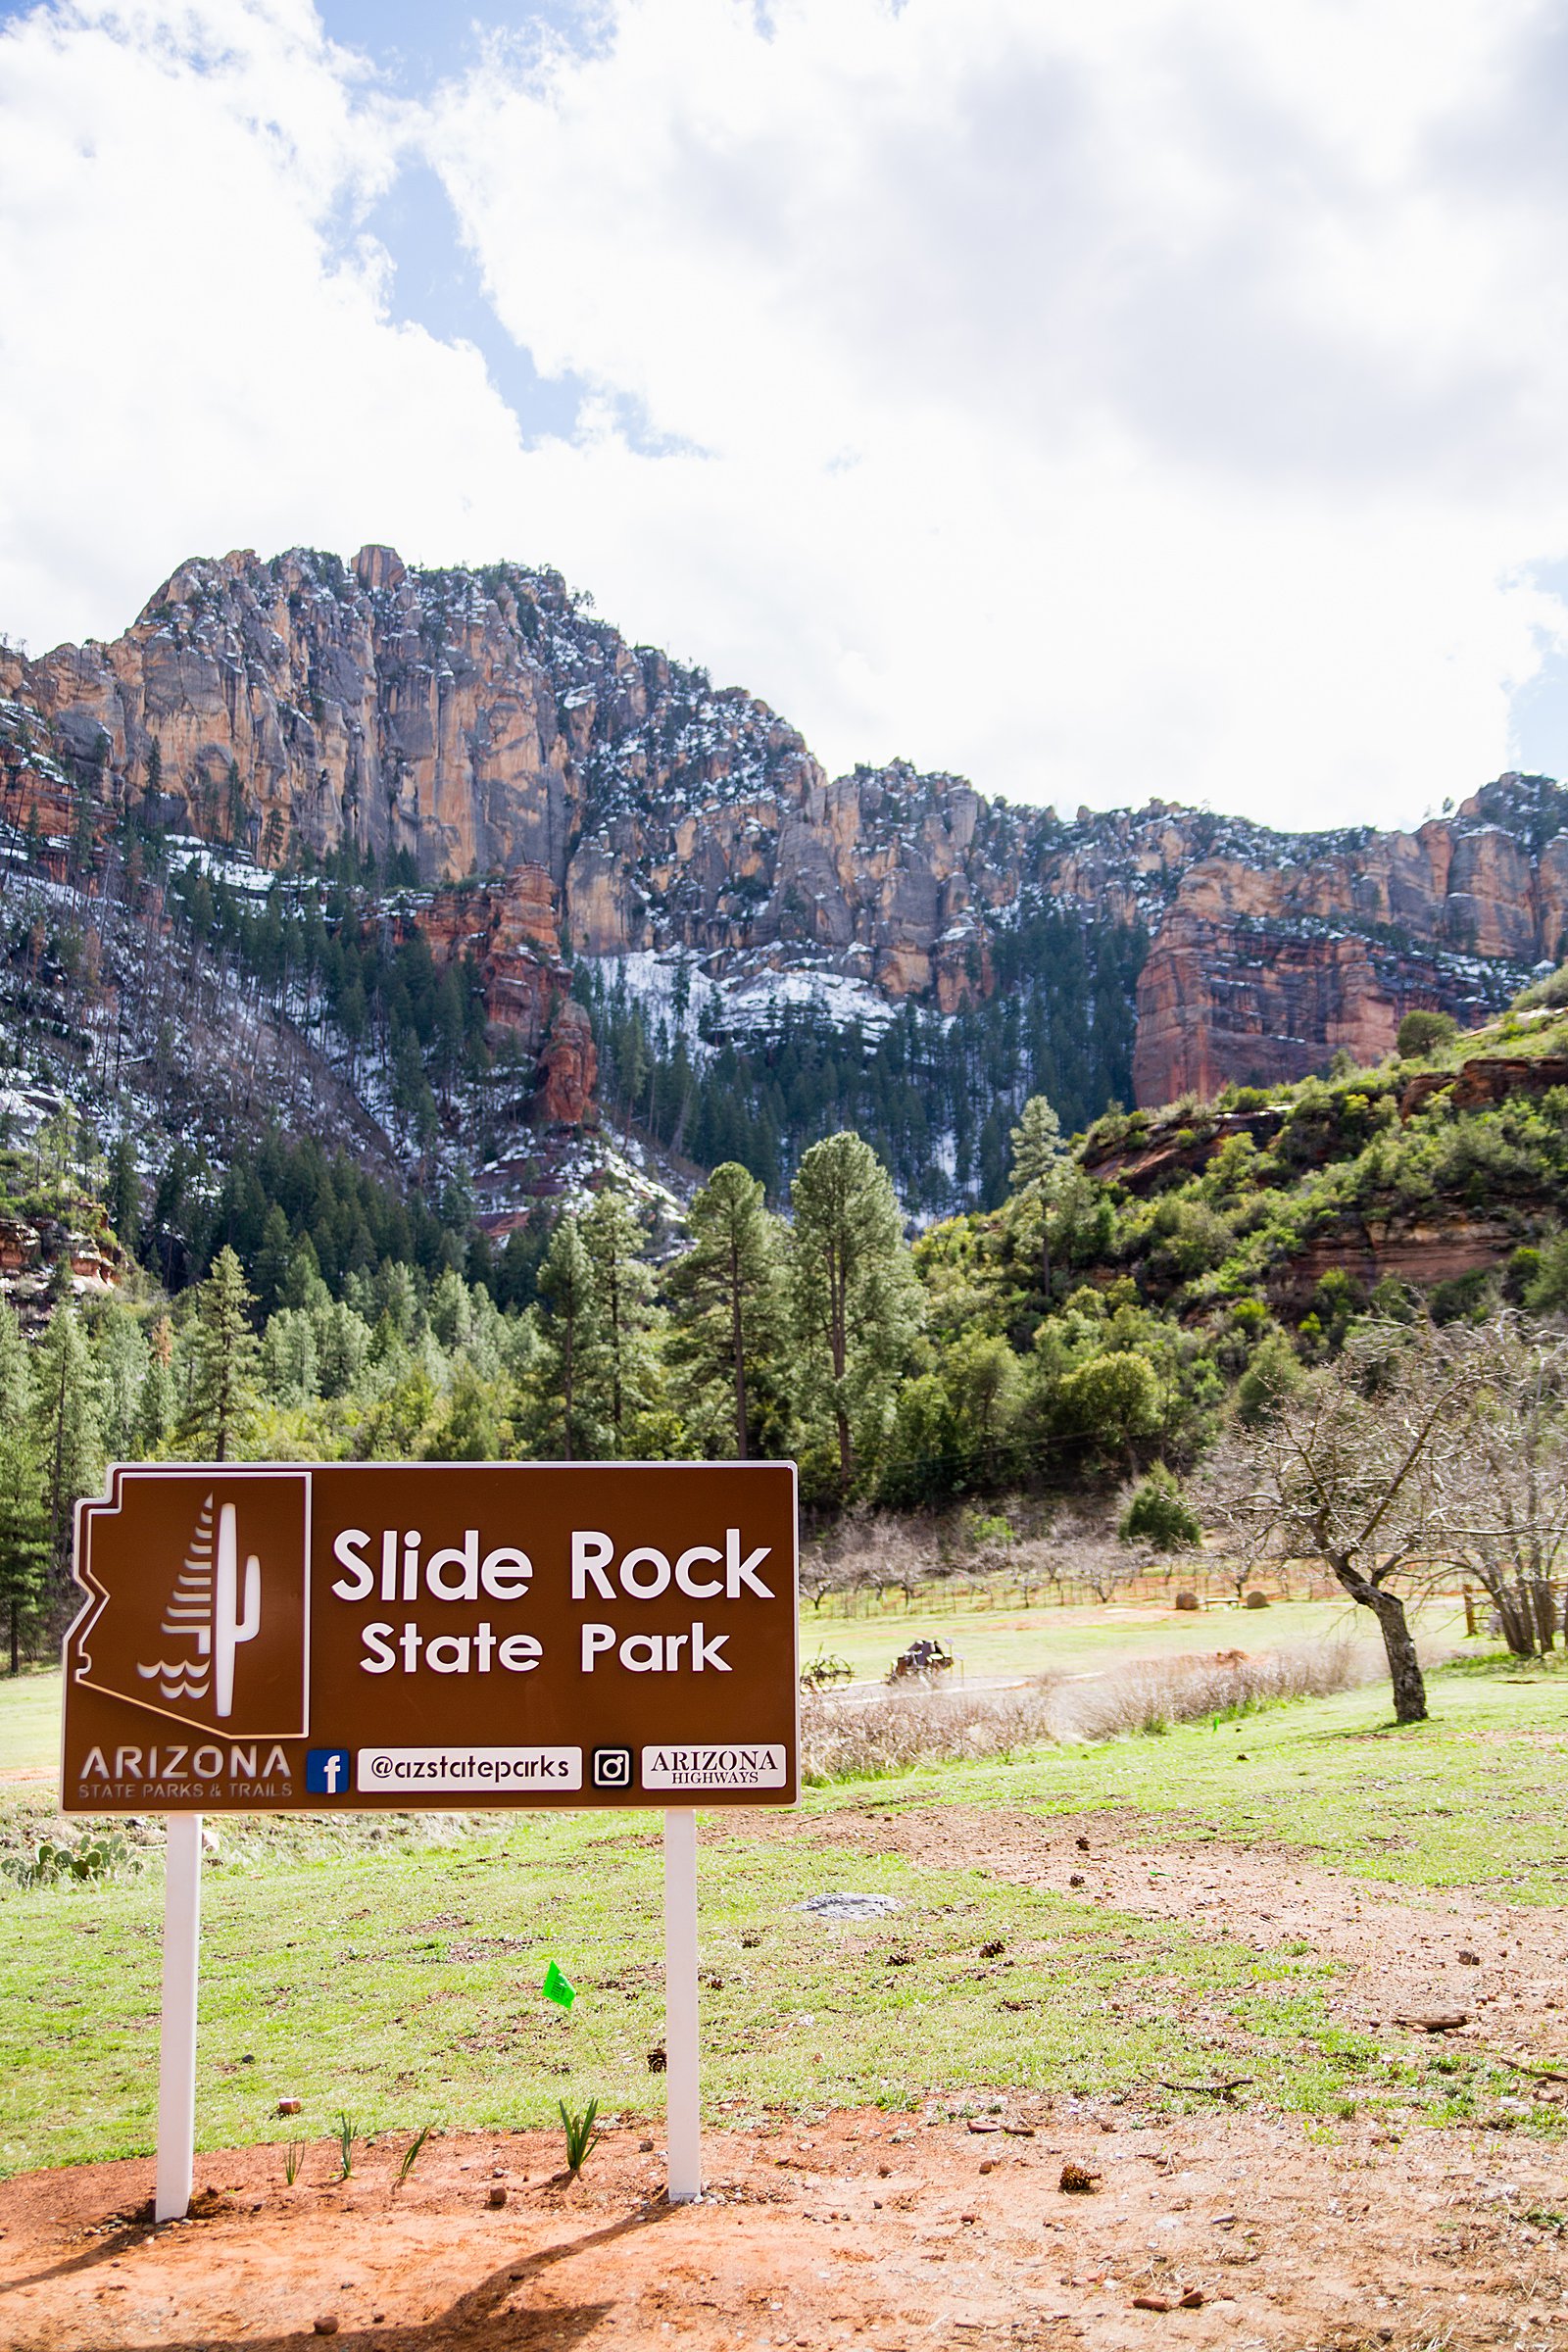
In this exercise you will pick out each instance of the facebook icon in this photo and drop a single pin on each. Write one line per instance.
(327, 1771)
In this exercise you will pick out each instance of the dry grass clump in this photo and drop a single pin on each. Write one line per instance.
(1149, 1694)
(867, 1734)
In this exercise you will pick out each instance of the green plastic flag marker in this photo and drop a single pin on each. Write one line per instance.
(555, 1988)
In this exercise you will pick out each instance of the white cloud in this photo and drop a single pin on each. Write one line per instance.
(1162, 398)
(184, 365)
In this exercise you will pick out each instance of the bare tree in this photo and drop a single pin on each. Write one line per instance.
(1511, 1476)
(1090, 1552)
(1358, 1469)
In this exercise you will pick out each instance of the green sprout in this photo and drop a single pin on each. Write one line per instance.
(411, 2154)
(581, 2138)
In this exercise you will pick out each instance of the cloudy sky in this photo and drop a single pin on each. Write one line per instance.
(1169, 397)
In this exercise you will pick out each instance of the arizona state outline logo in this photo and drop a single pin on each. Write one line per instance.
(198, 1586)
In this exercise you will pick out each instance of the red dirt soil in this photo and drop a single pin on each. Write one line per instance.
(862, 2229)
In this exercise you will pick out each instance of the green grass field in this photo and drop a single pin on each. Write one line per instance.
(29, 1722)
(397, 1977)
(1477, 1798)
(1080, 1640)
(989, 1643)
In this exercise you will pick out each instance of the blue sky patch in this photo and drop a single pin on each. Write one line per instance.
(414, 45)
(437, 285)
(1538, 712)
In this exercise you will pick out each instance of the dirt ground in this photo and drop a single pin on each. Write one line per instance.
(860, 2229)
(891, 2231)
(1405, 1954)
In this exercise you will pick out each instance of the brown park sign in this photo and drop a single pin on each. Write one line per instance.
(369, 1638)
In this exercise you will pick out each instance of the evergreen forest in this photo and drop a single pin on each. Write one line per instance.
(1136, 1291)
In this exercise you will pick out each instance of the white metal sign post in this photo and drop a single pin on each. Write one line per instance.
(683, 2111)
(176, 2049)
(177, 2058)
(401, 1638)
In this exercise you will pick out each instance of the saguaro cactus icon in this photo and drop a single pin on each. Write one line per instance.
(233, 1624)
(205, 1607)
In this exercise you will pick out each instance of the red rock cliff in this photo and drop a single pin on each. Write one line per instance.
(1259, 971)
(486, 724)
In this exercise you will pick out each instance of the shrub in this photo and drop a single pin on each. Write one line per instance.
(1524, 1266)
(97, 1855)
(1546, 1291)
(1256, 1601)
(1189, 1601)
(1112, 1399)
(1193, 1238)
(1339, 1298)
(1551, 991)
(1465, 1300)
(1273, 1375)
(1424, 1032)
(1159, 1515)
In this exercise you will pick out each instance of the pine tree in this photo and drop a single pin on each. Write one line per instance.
(124, 1194)
(570, 1327)
(120, 1357)
(222, 1400)
(303, 1286)
(24, 1528)
(24, 1534)
(16, 1370)
(64, 1423)
(270, 1266)
(1039, 1158)
(155, 1408)
(725, 1292)
(1036, 1145)
(623, 1286)
(855, 1297)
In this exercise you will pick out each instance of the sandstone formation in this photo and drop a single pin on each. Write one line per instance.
(486, 726)
(568, 1067)
(1485, 1080)
(1264, 966)
(510, 930)
(1423, 1251)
